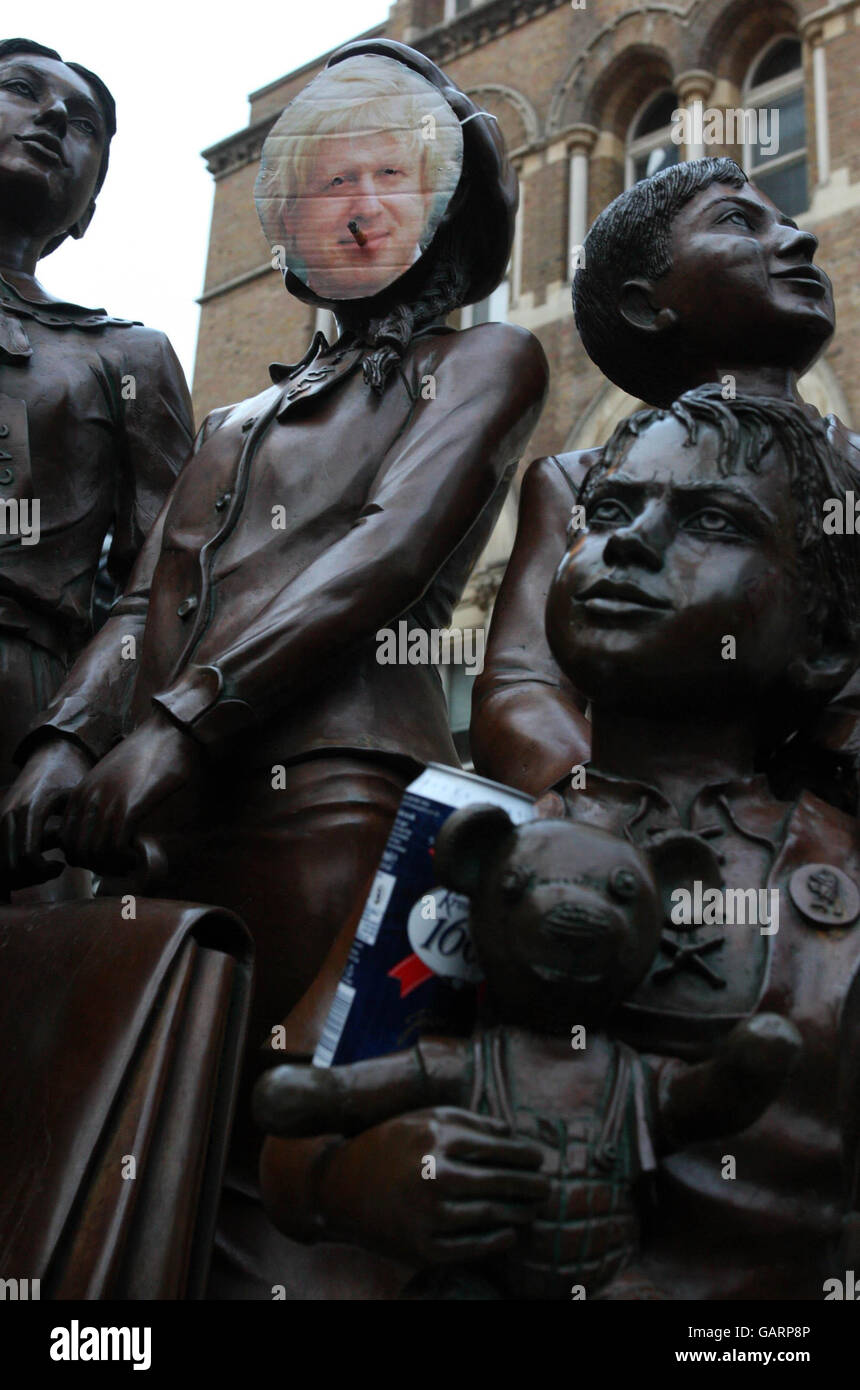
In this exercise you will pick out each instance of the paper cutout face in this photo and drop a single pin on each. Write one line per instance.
(356, 176)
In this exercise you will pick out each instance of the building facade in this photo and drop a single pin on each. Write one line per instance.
(584, 91)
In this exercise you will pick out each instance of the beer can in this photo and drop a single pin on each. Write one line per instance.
(412, 968)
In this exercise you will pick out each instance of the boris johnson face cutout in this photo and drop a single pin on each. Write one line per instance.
(356, 176)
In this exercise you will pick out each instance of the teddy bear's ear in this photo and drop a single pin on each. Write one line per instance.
(466, 843)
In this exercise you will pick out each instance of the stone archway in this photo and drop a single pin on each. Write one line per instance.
(516, 115)
(609, 406)
(607, 409)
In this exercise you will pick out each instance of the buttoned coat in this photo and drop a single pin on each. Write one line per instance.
(309, 518)
(95, 424)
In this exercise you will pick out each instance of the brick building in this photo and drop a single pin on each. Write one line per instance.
(584, 91)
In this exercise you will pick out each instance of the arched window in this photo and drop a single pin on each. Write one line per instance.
(775, 150)
(649, 144)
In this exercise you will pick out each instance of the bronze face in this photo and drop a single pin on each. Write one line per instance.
(676, 558)
(742, 281)
(52, 137)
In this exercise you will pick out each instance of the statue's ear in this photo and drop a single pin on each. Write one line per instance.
(78, 229)
(466, 843)
(636, 305)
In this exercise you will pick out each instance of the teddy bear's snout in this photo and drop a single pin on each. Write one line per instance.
(574, 918)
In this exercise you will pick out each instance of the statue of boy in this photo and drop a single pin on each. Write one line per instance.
(95, 418)
(701, 599)
(659, 262)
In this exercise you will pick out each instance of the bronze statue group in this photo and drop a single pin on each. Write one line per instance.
(673, 621)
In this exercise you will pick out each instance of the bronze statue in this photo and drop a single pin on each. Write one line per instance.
(95, 423)
(702, 612)
(566, 921)
(263, 744)
(725, 540)
(656, 261)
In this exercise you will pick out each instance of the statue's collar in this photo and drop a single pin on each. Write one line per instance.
(319, 369)
(33, 301)
(324, 365)
(28, 289)
(749, 802)
(733, 787)
(346, 343)
(282, 371)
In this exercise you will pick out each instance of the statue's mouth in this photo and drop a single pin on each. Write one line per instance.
(809, 276)
(621, 592)
(45, 144)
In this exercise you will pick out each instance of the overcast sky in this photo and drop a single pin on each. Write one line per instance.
(181, 72)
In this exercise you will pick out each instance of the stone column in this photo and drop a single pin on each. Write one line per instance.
(814, 37)
(694, 88)
(580, 142)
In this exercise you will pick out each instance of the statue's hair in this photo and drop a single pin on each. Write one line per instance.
(632, 238)
(747, 429)
(363, 95)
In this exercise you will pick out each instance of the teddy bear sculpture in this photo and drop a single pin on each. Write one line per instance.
(566, 920)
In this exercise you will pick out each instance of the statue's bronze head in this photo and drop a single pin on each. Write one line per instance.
(57, 120)
(704, 580)
(693, 270)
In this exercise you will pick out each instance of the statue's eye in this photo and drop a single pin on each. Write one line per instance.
(736, 215)
(609, 512)
(513, 884)
(713, 521)
(623, 883)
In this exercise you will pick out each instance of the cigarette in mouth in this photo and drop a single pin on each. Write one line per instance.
(355, 231)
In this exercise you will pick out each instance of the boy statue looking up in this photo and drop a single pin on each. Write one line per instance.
(691, 276)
